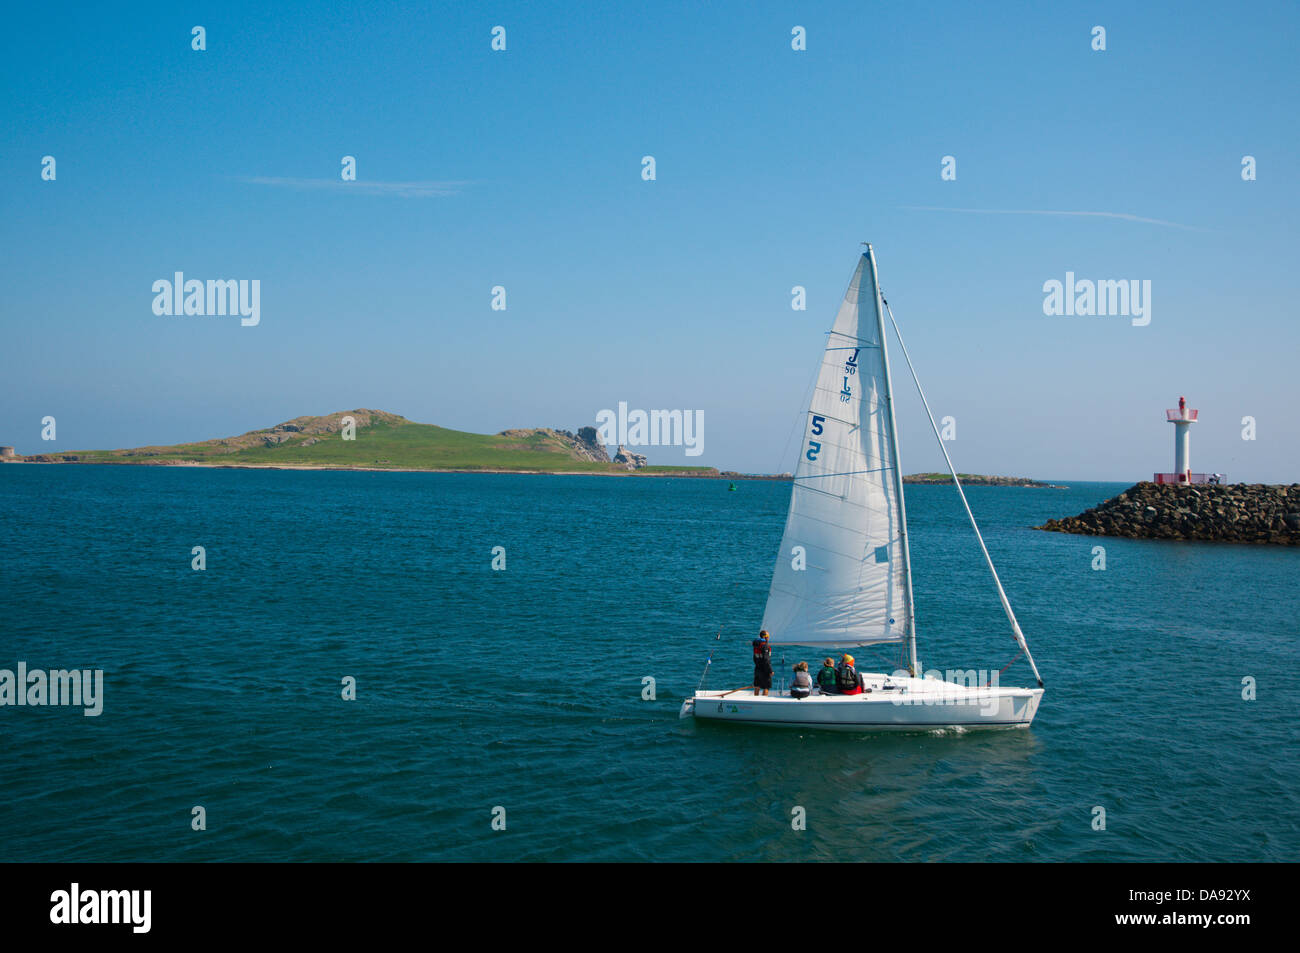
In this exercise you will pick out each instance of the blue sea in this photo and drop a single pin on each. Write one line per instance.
(517, 694)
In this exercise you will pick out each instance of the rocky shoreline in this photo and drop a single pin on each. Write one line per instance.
(1231, 513)
(976, 479)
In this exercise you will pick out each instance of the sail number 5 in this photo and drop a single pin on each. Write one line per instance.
(814, 447)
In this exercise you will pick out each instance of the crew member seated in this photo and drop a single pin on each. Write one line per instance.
(801, 684)
(847, 679)
(826, 677)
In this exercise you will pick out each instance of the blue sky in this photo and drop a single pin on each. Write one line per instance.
(772, 165)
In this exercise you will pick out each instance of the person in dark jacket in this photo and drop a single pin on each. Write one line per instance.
(847, 679)
(762, 663)
(826, 677)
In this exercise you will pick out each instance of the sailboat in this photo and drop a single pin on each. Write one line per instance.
(843, 575)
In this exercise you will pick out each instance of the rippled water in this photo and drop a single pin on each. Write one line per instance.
(522, 689)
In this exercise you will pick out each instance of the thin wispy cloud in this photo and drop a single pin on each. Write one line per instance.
(1122, 216)
(406, 190)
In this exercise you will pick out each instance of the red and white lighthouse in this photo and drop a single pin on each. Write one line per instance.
(1182, 419)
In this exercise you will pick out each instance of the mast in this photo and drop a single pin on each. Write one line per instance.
(909, 611)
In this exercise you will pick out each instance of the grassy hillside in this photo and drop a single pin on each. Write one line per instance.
(383, 440)
(408, 445)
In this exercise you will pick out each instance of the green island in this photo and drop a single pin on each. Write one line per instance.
(377, 440)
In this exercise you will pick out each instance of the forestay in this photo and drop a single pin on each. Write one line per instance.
(851, 586)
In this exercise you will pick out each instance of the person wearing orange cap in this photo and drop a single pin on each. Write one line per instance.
(847, 679)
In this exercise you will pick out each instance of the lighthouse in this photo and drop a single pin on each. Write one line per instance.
(1182, 419)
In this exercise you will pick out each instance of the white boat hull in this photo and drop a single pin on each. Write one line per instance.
(891, 704)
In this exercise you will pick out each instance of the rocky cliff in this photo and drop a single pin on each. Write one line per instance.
(585, 445)
(1233, 512)
(626, 458)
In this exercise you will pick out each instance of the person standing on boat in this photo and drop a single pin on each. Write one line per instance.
(826, 677)
(847, 679)
(762, 663)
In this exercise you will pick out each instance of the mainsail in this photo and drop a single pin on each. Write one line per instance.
(842, 575)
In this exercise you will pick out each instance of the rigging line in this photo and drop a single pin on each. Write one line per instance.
(716, 638)
(1004, 668)
(1006, 606)
(865, 343)
(722, 624)
(819, 476)
(705, 674)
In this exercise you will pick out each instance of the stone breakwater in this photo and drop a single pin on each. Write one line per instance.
(1232, 513)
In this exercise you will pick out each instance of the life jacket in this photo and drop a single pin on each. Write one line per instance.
(846, 679)
(827, 678)
(762, 652)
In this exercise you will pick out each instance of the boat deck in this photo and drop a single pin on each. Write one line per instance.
(887, 703)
